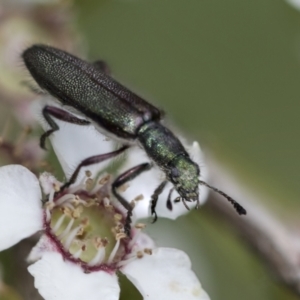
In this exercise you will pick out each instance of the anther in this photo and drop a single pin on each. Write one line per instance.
(138, 198)
(67, 211)
(88, 173)
(106, 202)
(89, 183)
(118, 217)
(104, 179)
(139, 254)
(123, 188)
(56, 186)
(140, 226)
(148, 251)
(77, 212)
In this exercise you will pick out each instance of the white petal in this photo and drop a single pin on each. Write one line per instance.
(141, 241)
(57, 279)
(147, 182)
(73, 143)
(166, 274)
(48, 182)
(21, 213)
(45, 244)
(294, 3)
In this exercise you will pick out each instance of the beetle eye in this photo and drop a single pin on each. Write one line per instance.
(174, 172)
(178, 199)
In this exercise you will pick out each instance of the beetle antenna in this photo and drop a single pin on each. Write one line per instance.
(240, 209)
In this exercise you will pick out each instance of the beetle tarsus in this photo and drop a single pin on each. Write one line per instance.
(154, 199)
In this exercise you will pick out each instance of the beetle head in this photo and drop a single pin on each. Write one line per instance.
(184, 174)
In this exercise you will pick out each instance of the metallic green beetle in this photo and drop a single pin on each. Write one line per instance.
(107, 104)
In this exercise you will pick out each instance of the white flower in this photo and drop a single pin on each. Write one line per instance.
(83, 243)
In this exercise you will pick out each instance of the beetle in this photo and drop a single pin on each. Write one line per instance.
(112, 108)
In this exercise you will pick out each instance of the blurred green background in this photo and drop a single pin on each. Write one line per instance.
(227, 73)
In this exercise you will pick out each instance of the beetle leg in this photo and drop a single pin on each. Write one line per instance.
(154, 199)
(122, 179)
(91, 161)
(60, 114)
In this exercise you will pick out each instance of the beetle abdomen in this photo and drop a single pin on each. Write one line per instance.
(78, 84)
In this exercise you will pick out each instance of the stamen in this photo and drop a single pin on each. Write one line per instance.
(76, 201)
(58, 223)
(72, 236)
(78, 253)
(106, 202)
(66, 231)
(80, 185)
(130, 258)
(100, 255)
(104, 179)
(137, 234)
(64, 198)
(90, 202)
(56, 186)
(119, 236)
(48, 214)
(69, 205)
(100, 183)
(119, 228)
(51, 196)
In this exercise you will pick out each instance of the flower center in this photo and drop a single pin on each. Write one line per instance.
(86, 227)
